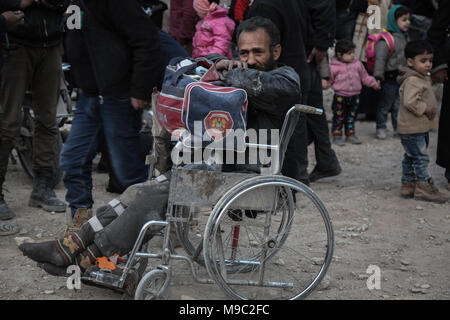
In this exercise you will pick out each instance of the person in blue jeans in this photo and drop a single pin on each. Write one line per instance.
(117, 61)
(417, 116)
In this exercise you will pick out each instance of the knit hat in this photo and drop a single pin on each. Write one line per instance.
(203, 7)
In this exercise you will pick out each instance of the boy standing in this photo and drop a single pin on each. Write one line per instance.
(417, 116)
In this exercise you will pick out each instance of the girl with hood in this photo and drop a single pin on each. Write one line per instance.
(347, 76)
(386, 68)
(213, 33)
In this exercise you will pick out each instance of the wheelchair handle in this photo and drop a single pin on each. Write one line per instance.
(307, 109)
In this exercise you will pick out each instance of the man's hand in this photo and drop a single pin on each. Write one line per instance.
(317, 55)
(13, 19)
(440, 77)
(138, 104)
(26, 3)
(430, 112)
(227, 65)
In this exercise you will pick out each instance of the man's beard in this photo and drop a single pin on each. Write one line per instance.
(270, 65)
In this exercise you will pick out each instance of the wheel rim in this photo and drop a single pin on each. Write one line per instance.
(152, 285)
(217, 239)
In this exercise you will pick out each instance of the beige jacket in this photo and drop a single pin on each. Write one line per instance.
(416, 94)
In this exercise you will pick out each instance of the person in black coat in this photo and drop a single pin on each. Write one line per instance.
(438, 35)
(307, 29)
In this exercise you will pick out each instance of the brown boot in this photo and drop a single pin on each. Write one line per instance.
(408, 189)
(427, 191)
(81, 216)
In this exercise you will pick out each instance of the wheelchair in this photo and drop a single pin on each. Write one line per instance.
(259, 236)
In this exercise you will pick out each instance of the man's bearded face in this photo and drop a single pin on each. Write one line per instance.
(255, 49)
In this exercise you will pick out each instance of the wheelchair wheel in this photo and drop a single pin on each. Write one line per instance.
(278, 253)
(153, 286)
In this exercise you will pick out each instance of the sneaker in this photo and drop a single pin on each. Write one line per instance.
(316, 174)
(353, 139)
(381, 134)
(337, 140)
(407, 189)
(427, 191)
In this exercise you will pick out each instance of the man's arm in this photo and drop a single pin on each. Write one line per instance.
(273, 92)
(323, 22)
(142, 37)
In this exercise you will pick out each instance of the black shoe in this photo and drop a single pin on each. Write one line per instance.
(5, 212)
(317, 175)
(43, 195)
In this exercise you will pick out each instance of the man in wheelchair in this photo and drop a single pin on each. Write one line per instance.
(272, 90)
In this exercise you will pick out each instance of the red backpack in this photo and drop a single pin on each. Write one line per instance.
(371, 45)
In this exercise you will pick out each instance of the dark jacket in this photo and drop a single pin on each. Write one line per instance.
(438, 35)
(299, 35)
(270, 93)
(117, 52)
(2, 33)
(43, 27)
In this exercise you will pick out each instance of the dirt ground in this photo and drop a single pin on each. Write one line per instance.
(408, 240)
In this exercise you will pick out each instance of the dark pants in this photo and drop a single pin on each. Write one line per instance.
(388, 103)
(150, 203)
(344, 113)
(310, 128)
(118, 123)
(38, 69)
(416, 160)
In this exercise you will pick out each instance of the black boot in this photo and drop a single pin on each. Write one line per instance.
(5, 212)
(61, 252)
(5, 150)
(43, 195)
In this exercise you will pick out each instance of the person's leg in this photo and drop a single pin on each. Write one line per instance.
(78, 152)
(149, 204)
(425, 188)
(338, 116)
(295, 163)
(408, 174)
(387, 99)
(45, 88)
(351, 108)
(327, 164)
(122, 123)
(16, 72)
(394, 109)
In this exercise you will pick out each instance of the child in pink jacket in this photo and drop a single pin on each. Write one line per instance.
(214, 31)
(347, 77)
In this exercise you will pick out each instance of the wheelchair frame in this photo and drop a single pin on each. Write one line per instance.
(237, 200)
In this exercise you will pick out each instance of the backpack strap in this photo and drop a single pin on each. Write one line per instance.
(387, 36)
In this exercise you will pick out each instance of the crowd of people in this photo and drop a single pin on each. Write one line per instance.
(118, 58)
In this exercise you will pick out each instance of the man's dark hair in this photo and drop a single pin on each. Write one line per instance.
(256, 23)
(414, 48)
(344, 46)
(401, 11)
